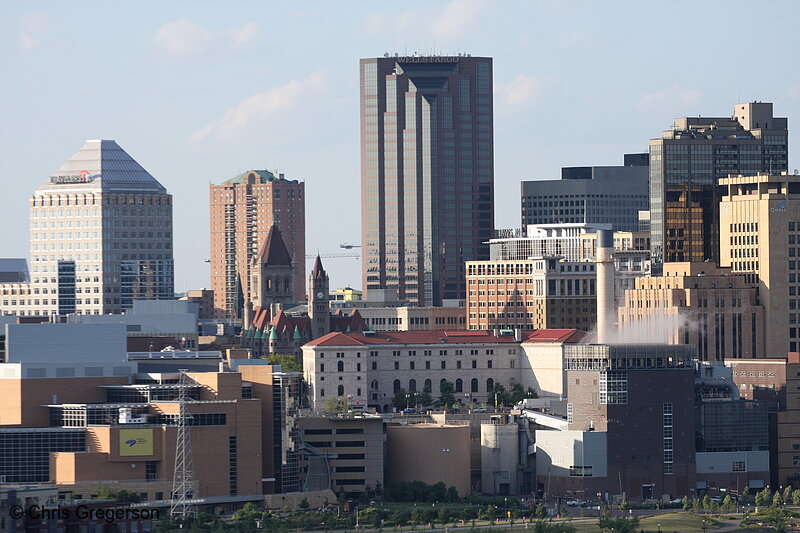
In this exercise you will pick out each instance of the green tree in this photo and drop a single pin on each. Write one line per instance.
(447, 392)
(468, 512)
(787, 494)
(516, 394)
(745, 496)
(778, 518)
(760, 499)
(541, 511)
(618, 524)
(400, 400)
(727, 504)
(686, 503)
(288, 362)
(796, 497)
(706, 503)
(499, 395)
(548, 526)
(401, 517)
(334, 405)
(424, 397)
(304, 503)
(777, 499)
(624, 505)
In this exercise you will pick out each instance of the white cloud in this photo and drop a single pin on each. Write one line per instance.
(182, 38)
(261, 107)
(452, 21)
(673, 96)
(522, 90)
(33, 25)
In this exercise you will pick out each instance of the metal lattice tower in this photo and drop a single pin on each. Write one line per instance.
(183, 481)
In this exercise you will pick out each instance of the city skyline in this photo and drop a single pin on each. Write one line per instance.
(196, 94)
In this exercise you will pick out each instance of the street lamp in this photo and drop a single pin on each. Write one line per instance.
(445, 451)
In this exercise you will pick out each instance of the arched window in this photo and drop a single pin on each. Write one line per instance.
(489, 385)
(427, 386)
(340, 390)
(374, 384)
(473, 385)
(396, 385)
(340, 366)
(512, 382)
(459, 385)
(412, 385)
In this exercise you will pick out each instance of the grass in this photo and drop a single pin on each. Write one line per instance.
(679, 521)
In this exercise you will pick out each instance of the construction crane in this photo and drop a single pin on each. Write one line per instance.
(347, 246)
(331, 256)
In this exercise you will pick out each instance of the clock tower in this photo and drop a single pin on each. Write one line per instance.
(319, 307)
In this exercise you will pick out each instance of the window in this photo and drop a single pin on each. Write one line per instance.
(340, 390)
(489, 385)
(459, 385)
(474, 385)
(738, 466)
(340, 366)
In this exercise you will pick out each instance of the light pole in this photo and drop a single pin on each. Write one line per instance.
(445, 451)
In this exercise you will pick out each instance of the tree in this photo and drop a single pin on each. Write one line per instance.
(760, 499)
(687, 503)
(727, 504)
(706, 503)
(400, 400)
(541, 511)
(777, 500)
(334, 405)
(618, 524)
(516, 394)
(288, 362)
(796, 497)
(401, 517)
(304, 503)
(424, 399)
(447, 393)
(624, 505)
(787, 494)
(499, 395)
(778, 518)
(745, 496)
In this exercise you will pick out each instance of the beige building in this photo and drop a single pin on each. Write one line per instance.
(531, 294)
(760, 237)
(789, 426)
(711, 308)
(344, 453)
(430, 453)
(414, 318)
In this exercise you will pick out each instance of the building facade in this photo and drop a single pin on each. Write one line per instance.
(593, 195)
(101, 236)
(427, 173)
(711, 308)
(531, 294)
(687, 161)
(760, 238)
(243, 209)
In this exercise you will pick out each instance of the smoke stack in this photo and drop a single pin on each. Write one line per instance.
(606, 308)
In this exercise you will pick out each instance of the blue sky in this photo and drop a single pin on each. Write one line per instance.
(197, 92)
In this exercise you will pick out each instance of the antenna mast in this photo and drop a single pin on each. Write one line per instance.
(183, 480)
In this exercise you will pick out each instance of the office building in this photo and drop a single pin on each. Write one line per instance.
(101, 236)
(591, 195)
(243, 209)
(345, 453)
(760, 238)
(427, 173)
(531, 294)
(713, 309)
(687, 161)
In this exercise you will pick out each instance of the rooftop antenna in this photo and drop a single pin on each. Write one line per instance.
(183, 481)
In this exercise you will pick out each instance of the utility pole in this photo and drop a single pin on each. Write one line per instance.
(183, 480)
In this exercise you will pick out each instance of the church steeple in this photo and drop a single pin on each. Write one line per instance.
(319, 309)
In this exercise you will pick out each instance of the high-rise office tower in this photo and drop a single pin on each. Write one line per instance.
(101, 235)
(427, 173)
(760, 236)
(243, 209)
(687, 161)
(593, 195)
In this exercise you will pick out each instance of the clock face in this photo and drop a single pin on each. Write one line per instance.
(320, 294)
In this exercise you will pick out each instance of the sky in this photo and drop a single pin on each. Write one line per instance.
(197, 92)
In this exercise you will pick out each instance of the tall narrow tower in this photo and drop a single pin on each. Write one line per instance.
(319, 307)
(183, 480)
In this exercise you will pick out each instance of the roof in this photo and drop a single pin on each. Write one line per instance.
(104, 165)
(317, 272)
(13, 270)
(273, 250)
(264, 175)
(556, 335)
(411, 337)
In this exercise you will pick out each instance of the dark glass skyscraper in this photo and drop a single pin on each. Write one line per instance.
(687, 161)
(427, 173)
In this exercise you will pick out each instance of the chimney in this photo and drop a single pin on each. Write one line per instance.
(606, 308)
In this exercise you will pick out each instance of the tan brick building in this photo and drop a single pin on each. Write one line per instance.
(711, 308)
(760, 237)
(242, 211)
(530, 294)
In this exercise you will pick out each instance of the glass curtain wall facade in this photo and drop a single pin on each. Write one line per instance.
(427, 167)
(685, 164)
